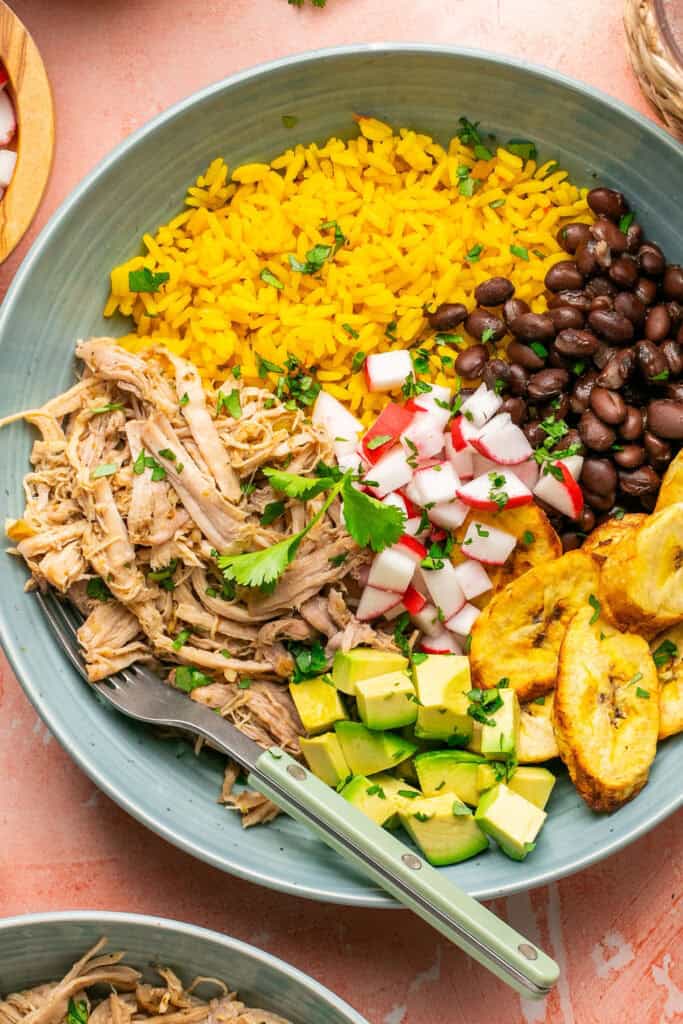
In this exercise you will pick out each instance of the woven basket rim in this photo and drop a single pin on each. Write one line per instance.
(656, 60)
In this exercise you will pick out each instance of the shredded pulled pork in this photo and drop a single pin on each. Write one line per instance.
(124, 998)
(140, 477)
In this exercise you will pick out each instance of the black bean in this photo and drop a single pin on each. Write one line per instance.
(576, 343)
(534, 432)
(533, 327)
(594, 433)
(674, 391)
(579, 399)
(651, 360)
(676, 314)
(607, 202)
(632, 426)
(587, 258)
(672, 283)
(679, 335)
(601, 285)
(572, 235)
(514, 308)
(471, 361)
(517, 409)
(563, 276)
(525, 356)
(566, 318)
(651, 260)
(617, 369)
(496, 370)
(630, 457)
(547, 384)
(665, 418)
(518, 381)
(673, 353)
(481, 322)
(645, 290)
(447, 316)
(600, 502)
(602, 354)
(557, 361)
(572, 437)
(577, 299)
(630, 306)
(639, 481)
(658, 323)
(624, 271)
(634, 237)
(598, 475)
(494, 292)
(612, 326)
(602, 302)
(604, 230)
(608, 405)
(658, 451)
(571, 540)
(559, 408)
(648, 502)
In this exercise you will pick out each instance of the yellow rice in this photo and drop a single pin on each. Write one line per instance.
(408, 228)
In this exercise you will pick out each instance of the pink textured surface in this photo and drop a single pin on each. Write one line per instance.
(614, 928)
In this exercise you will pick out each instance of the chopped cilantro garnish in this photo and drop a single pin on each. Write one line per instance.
(109, 407)
(189, 679)
(496, 204)
(528, 538)
(474, 253)
(264, 367)
(236, 371)
(519, 250)
(635, 679)
(164, 576)
(376, 790)
(244, 683)
(412, 387)
(540, 350)
(184, 399)
(358, 362)
(664, 375)
(421, 360)
(353, 333)
(626, 221)
(309, 659)
(596, 606)
(181, 639)
(290, 121)
(145, 280)
(77, 1013)
(315, 259)
(338, 560)
(230, 403)
(408, 794)
(468, 133)
(666, 651)
(539, 700)
(523, 148)
(98, 589)
(377, 441)
(640, 692)
(339, 237)
(104, 469)
(268, 277)
(271, 512)
(487, 334)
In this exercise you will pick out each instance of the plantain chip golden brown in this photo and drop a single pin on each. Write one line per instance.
(606, 711)
(599, 542)
(537, 741)
(642, 579)
(537, 543)
(519, 633)
(667, 650)
(671, 490)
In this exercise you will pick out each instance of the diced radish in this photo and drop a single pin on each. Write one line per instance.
(442, 643)
(565, 495)
(473, 579)
(414, 601)
(461, 624)
(8, 122)
(481, 406)
(507, 445)
(498, 483)
(463, 432)
(443, 588)
(390, 570)
(387, 370)
(427, 620)
(412, 509)
(424, 437)
(430, 403)
(339, 423)
(374, 602)
(487, 544)
(483, 465)
(394, 612)
(390, 424)
(396, 500)
(351, 460)
(4, 77)
(574, 464)
(436, 484)
(391, 472)
(412, 525)
(527, 472)
(461, 461)
(8, 161)
(448, 514)
(410, 548)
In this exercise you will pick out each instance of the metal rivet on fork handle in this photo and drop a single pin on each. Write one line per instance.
(528, 951)
(296, 772)
(411, 861)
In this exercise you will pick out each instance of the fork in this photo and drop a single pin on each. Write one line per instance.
(140, 694)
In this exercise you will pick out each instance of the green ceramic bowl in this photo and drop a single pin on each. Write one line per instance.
(42, 947)
(58, 295)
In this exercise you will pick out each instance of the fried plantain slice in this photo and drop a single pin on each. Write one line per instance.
(642, 580)
(606, 711)
(537, 544)
(537, 741)
(599, 542)
(667, 650)
(671, 490)
(519, 633)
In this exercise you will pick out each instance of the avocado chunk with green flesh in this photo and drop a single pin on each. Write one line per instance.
(406, 770)
(370, 797)
(442, 682)
(386, 702)
(450, 771)
(401, 792)
(499, 735)
(510, 819)
(443, 828)
(367, 752)
(534, 784)
(490, 774)
(474, 743)
(349, 667)
(325, 759)
(318, 704)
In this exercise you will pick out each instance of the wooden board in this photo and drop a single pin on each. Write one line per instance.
(32, 98)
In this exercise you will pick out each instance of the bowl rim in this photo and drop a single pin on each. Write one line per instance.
(371, 896)
(172, 926)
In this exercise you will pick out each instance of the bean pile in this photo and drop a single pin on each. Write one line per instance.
(606, 358)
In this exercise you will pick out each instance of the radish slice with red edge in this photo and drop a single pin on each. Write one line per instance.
(436, 483)
(473, 579)
(374, 602)
(443, 587)
(390, 570)
(4, 77)
(412, 526)
(423, 439)
(505, 445)
(385, 371)
(463, 432)
(462, 461)
(442, 643)
(427, 620)
(386, 430)
(481, 406)
(410, 548)
(565, 494)
(527, 472)
(574, 464)
(461, 624)
(497, 489)
(396, 500)
(414, 601)
(389, 474)
(487, 544)
(340, 424)
(448, 514)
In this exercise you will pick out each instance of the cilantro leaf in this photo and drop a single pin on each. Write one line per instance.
(294, 486)
(268, 277)
(370, 523)
(230, 403)
(98, 589)
(145, 280)
(77, 1013)
(667, 651)
(309, 660)
(271, 512)
(261, 568)
(188, 679)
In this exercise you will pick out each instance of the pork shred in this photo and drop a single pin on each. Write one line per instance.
(139, 476)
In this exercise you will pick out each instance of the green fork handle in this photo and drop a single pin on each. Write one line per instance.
(401, 872)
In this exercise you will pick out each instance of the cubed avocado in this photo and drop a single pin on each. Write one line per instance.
(442, 682)
(325, 759)
(401, 792)
(489, 774)
(510, 819)
(474, 743)
(349, 667)
(367, 752)
(534, 784)
(386, 702)
(318, 703)
(370, 797)
(450, 771)
(500, 732)
(443, 828)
